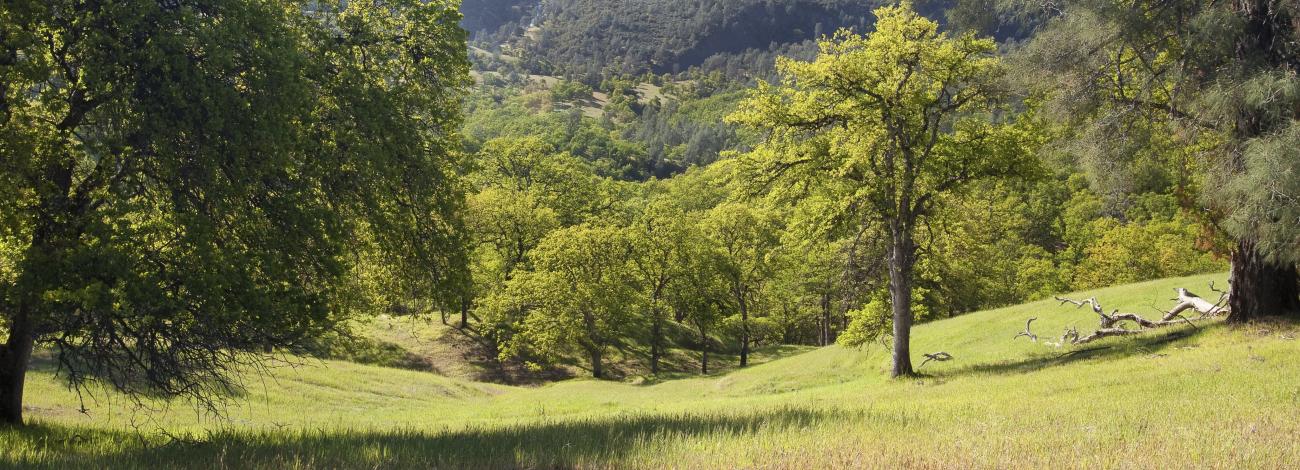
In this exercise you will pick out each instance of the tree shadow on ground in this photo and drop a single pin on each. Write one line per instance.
(207, 391)
(477, 351)
(1152, 343)
(546, 444)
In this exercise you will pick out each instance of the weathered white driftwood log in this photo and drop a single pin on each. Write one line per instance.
(1187, 300)
(1111, 324)
(1028, 332)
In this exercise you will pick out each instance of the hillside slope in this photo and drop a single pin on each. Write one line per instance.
(660, 36)
(1185, 397)
(663, 34)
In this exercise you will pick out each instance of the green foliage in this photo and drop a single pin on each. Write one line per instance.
(570, 91)
(1196, 95)
(987, 241)
(659, 241)
(1267, 193)
(895, 86)
(1132, 252)
(177, 194)
(882, 127)
(578, 297)
(589, 139)
(867, 324)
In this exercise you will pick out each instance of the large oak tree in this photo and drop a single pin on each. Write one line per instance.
(186, 183)
(885, 124)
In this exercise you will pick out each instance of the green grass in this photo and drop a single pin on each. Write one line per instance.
(1216, 396)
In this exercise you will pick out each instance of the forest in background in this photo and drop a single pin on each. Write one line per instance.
(689, 253)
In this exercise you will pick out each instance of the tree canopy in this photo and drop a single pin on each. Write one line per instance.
(884, 125)
(177, 196)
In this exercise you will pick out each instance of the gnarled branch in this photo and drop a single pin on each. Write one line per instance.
(1032, 337)
(938, 357)
(1112, 324)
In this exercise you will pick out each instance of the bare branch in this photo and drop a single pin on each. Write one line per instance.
(1110, 324)
(938, 357)
(1032, 337)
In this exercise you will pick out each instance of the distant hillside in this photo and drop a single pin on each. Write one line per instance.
(661, 36)
(592, 38)
(488, 16)
(667, 35)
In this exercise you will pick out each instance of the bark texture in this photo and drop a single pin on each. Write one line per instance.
(1259, 287)
(656, 334)
(14, 357)
(464, 313)
(901, 264)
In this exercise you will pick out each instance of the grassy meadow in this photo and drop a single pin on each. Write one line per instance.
(1185, 397)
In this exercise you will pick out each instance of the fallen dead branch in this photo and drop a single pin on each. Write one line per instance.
(1187, 300)
(1032, 337)
(937, 357)
(1113, 323)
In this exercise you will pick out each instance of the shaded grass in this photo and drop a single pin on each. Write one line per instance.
(425, 343)
(542, 443)
(1217, 396)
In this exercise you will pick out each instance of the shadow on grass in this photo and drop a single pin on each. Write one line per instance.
(1111, 348)
(588, 442)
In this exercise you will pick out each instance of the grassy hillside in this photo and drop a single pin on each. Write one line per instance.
(1213, 396)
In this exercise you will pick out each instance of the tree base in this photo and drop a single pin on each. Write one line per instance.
(1261, 288)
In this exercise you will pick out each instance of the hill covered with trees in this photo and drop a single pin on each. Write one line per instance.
(659, 36)
(588, 38)
(488, 17)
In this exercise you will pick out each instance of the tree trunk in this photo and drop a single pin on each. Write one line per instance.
(593, 344)
(704, 352)
(744, 328)
(821, 331)
(1259, 287)
(656, 331)
(657, 327)
(464, 313)
(826, 320)
(900, 296)
(14, 357)
(597, 370)
(787, 333)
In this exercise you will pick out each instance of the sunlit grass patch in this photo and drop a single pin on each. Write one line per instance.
(1184, 397)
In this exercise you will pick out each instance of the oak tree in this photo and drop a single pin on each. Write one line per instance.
(178, 196)
(885, 123)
